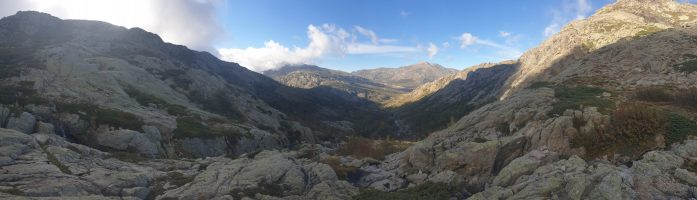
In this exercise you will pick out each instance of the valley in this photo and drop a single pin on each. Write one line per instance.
(606, 108)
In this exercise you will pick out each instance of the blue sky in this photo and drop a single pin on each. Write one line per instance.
(503, 29)
(338, 34)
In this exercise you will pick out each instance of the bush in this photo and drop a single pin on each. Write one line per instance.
(687, 66)
(576, 97)
(679, 128)
(218, 102)
(653, 94)
(118, 119)
(426, 190)
(687, 98)
(632, 130)
(193, 126)
(21, 93)
(539, 84)
(109, 117)
(144, 98)
(359, 147)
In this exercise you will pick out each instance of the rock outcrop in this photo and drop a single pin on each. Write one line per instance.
(659, 174)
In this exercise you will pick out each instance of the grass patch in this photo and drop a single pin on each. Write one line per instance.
(218, 102)
(686, 98)
(111, 117)
(429, 190)
(194, 127)
(653, 94)
(648, 30)
(679, 128)
(578, 97)
(144, 98)
(22, 93)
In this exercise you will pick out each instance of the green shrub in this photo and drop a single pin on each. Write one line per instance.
(653, 94)
(177, 110)
(679, 128)
(118, 119)
(218, 102)
(687, 66)
(632, 130)
(111, 117)
(424, 191)
(580, 96)
(144, 98)
(539, 84)
(686, 98)
(21, 93)
(193, 126)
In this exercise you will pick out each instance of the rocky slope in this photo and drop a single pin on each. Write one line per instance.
(459, 96)
(433, 86)
(110, 87)
(308, 76)
(45, 166)
(579, 95)
(408, 77)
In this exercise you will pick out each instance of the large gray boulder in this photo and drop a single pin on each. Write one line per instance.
(128, 140)
(24, 123)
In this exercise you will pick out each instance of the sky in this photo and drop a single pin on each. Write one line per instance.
(346, 35)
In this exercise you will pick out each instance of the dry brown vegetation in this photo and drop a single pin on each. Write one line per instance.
(359, 147)
(633, 129)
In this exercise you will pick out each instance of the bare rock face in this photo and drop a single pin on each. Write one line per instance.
(269, 173)
(659, 174)
(53, 167)
(408, 77)
(125, 140)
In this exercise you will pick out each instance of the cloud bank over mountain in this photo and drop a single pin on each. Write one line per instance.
(190, 22)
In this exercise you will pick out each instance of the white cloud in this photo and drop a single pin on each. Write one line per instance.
(504, 34)
(445, 45)
(432, 50)
(368, 33)
(325, 40)
(466, 39)
(503, 51)
(189, 22)
(570, 10)
(404, 13)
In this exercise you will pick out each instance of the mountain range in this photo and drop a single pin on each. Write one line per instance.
(604, 109)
